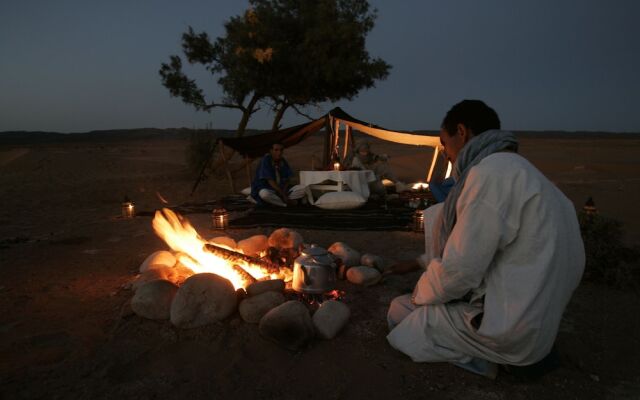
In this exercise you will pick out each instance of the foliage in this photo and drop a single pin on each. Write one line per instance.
(284, 53)
(608, 260)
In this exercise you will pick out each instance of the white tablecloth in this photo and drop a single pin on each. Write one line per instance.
(358, 181)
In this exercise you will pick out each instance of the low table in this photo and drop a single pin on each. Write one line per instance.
(358, 181)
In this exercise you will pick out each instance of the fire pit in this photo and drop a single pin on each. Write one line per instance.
(275, 281)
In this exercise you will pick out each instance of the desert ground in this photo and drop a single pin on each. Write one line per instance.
(66, 260)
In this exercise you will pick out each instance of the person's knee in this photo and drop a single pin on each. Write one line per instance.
(271, 197)
(399, 309)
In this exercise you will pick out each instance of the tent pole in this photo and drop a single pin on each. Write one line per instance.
(226, 167)
(328, 139)
(348, 140)
(248, 168)
(337, 144)
(326, 156)
(433, 164)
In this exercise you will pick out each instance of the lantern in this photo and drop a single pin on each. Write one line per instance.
(128, 208)
(220, 218)
(336, 166)
(590, 207)
(418, 220)
(418, 215)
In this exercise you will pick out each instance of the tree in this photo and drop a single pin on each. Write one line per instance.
(282, 53)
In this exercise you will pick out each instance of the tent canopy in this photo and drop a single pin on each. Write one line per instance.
(256, 146)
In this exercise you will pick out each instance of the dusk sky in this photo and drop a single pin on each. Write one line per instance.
(73, 66)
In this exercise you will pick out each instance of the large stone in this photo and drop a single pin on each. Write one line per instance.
(224, 241)
(288, 325)
(203, 299)
(349, 256)
(285, 238)
(330, 318)
(254, 245)
(363, 275)
(159, 259)
(153, 299)
(254, 308)
(371, 260)
(179, 273)
(273, 285)
(152, 274)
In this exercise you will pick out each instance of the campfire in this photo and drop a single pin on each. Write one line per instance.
(276, 281)
(201, 256)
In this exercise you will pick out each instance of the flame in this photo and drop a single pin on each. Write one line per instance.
(183, 238)
(420, 185)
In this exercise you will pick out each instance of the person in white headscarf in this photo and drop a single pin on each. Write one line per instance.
(364, 158)
(505, 256)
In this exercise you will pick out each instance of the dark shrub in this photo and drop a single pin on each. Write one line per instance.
(199, 150)
(608, 260)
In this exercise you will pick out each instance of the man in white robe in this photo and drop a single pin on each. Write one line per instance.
(499, 278)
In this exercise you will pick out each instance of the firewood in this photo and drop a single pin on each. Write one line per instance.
(238, 258)
(244, 274)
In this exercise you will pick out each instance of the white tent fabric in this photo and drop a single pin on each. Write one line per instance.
(394, 136)
(384, 134)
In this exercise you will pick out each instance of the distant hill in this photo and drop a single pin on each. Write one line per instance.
(36, 137)
(40, 137)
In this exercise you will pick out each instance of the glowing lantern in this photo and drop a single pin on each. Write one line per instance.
(220, 218)
(336, 166)
(418, 216)
(418, 220)
(590, 207)
(128, 208)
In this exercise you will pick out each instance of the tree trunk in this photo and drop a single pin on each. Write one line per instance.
(246, 115)
(278, 117)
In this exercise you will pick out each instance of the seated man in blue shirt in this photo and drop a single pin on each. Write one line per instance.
(271, 183)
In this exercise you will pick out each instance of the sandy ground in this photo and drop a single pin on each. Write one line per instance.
(65, 331)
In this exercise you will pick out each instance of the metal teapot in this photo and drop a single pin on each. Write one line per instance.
(314, 271)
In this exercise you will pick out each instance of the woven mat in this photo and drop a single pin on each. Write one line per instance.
(373, 216)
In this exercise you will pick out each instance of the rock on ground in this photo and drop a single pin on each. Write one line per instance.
(349, 256)
(285, 238)
(330, 318)
(149, 275)
(203, 299)
(273, 285)
(363, 275)
(254, 245)
(159, 259)
(177, 275)
(254, 308)
(153, 299)
(289, 325)
(225, 241)
(371, 260)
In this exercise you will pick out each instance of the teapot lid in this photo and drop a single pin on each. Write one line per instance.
(314, 251)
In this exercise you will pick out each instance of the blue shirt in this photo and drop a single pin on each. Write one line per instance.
(267, 170)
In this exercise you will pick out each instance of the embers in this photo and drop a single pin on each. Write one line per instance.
(313, 301)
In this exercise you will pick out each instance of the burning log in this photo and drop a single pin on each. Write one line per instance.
(248, 278)
(235, 258)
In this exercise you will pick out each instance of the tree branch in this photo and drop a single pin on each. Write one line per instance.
(310, 118)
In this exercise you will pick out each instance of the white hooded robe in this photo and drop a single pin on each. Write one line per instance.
(516, 246)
